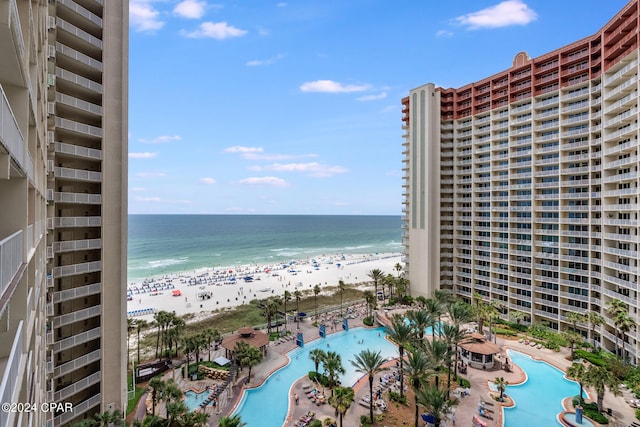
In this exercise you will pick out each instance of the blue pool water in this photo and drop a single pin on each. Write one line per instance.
(193, 399)
(539, 399)
(268, 404)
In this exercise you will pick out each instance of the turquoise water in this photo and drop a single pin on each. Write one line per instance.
(254, 409)
(193, 399)
(167, 244)
(539, 399)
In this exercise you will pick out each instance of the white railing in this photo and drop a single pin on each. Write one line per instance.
(78, 292)
(79, 127)
(78, 409)
(78, 103)
(74, 340)
(10, 376)
(79, 80)
(76, 363)
(77, 386)
(76, 316)
(94, 199)
(10, 258)
(70, 270)
(79, 221)
(78, 56)
(77, 174)
(77, 245)
(82, 12)
(10, 134)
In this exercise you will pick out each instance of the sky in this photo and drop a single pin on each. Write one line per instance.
(294, 107)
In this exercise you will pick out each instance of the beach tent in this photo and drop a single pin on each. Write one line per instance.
(222, 361)
(176, 292)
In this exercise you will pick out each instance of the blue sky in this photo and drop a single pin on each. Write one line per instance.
(293, 107)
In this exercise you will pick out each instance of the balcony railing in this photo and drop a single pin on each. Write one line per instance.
(10, 376)
(77, 386)
(76, 316)
(75, 340)
(82, 198)
(77, 150)
(71, 270)
(10, 258)
(78, 409)
(74, 364)
(77, 174)
(79, 292)
(10, 134)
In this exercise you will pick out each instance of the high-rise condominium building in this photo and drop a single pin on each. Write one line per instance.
(523, 187)
(63, 225)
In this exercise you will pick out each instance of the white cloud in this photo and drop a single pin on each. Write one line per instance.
(444, 34)
(329, 86)
(242, 149)
(312, 168)
(215, 30)
(271, 181)
(150, 174)
(276, 157)
(143, 17)
(381, 95)
(160, 139)
(145, 155)
(504, 14)
(190, 9)
(161, 200)
(269, 61)
(208, 181)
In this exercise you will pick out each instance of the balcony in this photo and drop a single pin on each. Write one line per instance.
(76, 316)
(77, 363)
(78, 10)
(77, 32)
(11, 259)
(77, 80)
(78, 409)
(76, 221)
(77, 174)
(78, 198)
(12, 52)
(78, 104)
(11, 136)
(72, 341)
(9, 381)
(78, 292)
(77, 245)
(78, 128)
(77, 386)
(71, 270)
(79, 57)
(77, 151)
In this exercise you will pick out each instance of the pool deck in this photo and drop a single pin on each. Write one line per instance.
(623, 413)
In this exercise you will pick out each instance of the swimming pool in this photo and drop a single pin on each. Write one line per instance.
(275, 390)
(193, 399)
(539, 399)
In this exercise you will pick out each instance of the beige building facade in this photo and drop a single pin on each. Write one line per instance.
(63, 224)
(522, 188)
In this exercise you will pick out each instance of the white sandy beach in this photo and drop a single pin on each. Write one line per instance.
(205, 290)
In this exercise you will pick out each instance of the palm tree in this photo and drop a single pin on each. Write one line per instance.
(572, 338)
(157, 386)
(108, 419)
(453, 336)
(480, 308)
(595, 319)
(189, 344)
(600, 378)
(400, 333)
(341, 286)
(270, 310)
(276, 301)
(371, 302)
(434, 401)
(251, 358)
(232, 421)
(578, 373)
(287, 297)
(420, 320)
(316, 292)
(317, 355)
(370, 363)
(130, 327)
(140, 324)
(211, 335)
(516, 316)
(624, 324)
(617, 310)
(501, 384)
(194, 419)
(171, 393)
(434, 310)
(341, 400)
(418, 368)
(161, 318)
(377, 276)
(333, 367)
(398, 268)
(298, 295)
(438, 353)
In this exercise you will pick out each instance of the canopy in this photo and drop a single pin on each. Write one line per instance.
(222, 361)
(176, 292)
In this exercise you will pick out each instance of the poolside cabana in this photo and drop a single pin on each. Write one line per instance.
(478, 353)
(250, 336)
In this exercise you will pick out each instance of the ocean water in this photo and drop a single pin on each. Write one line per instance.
(165, 244)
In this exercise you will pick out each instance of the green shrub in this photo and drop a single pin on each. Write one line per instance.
(638, 414)
(364, 420)
(507, 332)
(595, 415)
(463, 382)
(393, 301)
(407, 299)
(594, 358)
(368, 321)
(322, 379)
(395, 396)
(315, 423)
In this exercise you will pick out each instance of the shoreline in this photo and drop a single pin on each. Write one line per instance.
(206, 289)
